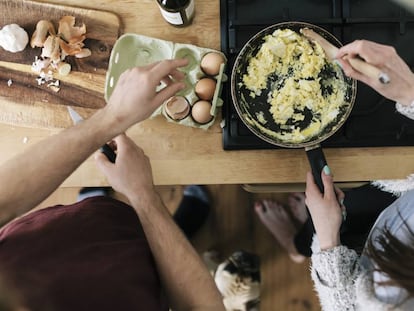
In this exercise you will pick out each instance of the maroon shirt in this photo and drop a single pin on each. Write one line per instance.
(91, 255)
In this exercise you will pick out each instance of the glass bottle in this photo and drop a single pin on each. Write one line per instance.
(177, 12)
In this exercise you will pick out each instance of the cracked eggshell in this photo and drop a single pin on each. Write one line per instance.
(177, 107)
(13, 38)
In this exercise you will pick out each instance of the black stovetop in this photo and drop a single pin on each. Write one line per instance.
(373, 121)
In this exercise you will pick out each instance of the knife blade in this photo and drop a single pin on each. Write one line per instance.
(105, 149)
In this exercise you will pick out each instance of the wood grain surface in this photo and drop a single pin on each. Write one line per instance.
(26, 103)
(181, 155)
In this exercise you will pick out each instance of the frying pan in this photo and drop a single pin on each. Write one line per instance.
(252, 110)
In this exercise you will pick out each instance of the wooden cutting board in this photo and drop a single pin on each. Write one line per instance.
(22, 101)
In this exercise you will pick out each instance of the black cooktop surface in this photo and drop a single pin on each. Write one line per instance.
(373, 121)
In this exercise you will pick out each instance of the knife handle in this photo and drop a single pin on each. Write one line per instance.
(108, 152)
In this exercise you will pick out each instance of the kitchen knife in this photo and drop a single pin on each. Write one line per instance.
(105, 149)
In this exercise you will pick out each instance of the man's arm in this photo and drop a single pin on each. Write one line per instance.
(187, 281)
(29, 178)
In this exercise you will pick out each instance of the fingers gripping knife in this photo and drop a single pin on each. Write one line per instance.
(105, 149)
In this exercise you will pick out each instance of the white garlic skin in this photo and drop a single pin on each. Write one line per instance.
(13, 38)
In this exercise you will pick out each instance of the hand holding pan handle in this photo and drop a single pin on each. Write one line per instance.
(317, 162)
(249, 108)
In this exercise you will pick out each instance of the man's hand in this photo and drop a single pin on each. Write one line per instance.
(325, 210)
(135, 96)
(131, 173)
(134, 99)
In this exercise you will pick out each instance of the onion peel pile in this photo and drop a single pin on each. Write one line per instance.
(68, 41)
(56, 46)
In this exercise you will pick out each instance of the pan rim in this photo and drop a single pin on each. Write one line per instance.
(274, 141)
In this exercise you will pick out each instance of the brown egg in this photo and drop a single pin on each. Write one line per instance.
(177, 107)
(210, 63)
(205, 88)
(201, 111)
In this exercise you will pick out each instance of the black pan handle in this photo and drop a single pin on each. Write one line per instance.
(317, 162)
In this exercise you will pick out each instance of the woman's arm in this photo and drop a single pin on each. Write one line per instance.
(187, 281)
(29, 178)
(334, 273)
(334, 267)
(325, 209)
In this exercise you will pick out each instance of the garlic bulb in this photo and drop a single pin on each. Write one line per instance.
(13, 38)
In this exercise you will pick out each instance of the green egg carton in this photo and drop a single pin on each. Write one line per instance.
(132, 50)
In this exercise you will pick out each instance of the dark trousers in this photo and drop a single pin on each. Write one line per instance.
(363, 206)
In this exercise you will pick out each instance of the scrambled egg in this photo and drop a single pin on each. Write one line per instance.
(292, 66)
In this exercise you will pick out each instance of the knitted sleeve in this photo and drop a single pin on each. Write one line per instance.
(407, 111)
(334, 272)
(398, 186)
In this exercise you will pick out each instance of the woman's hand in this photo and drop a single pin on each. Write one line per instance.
(135, 96)
(386, 59)
(325, 209)
(131, 173)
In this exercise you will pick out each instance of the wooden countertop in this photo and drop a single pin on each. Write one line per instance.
(181, 155)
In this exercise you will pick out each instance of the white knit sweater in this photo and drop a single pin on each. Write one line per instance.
(398, 186)
(342, 283)
(342, 280)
